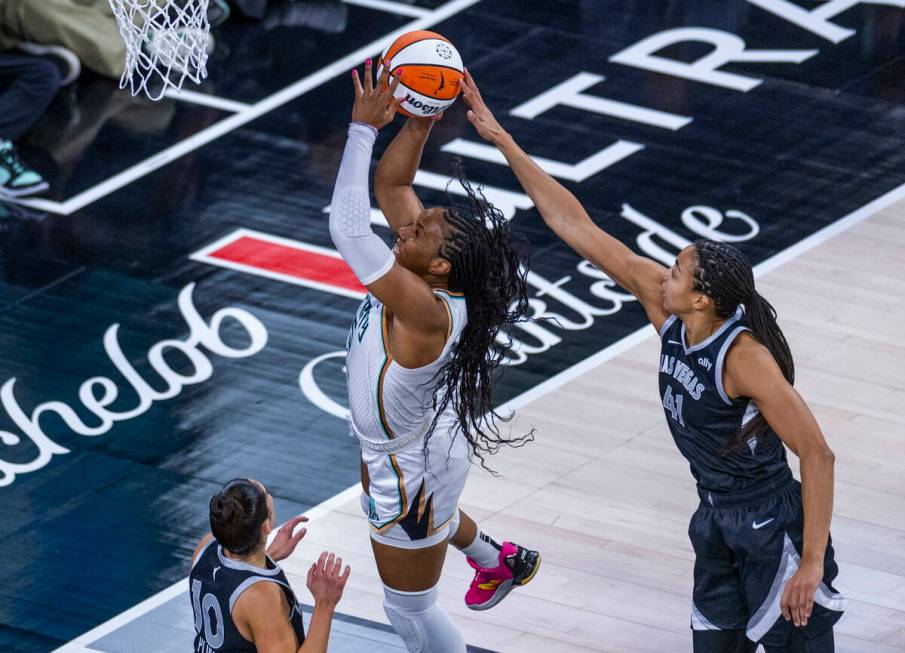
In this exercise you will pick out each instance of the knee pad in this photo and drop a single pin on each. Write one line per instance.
(421, 623)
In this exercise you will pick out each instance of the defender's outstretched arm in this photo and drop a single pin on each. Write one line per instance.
(564, 214)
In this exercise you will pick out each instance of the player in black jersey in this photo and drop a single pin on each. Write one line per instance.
(761, 539)
(240, 597)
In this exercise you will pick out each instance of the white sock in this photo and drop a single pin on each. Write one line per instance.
(484, 551)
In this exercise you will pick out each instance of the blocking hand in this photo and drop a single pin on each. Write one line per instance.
(478, 114)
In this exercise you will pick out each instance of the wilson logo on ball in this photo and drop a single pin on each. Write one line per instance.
(424, 108)
(430, 70)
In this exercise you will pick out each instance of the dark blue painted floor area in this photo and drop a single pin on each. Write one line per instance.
(96, 530)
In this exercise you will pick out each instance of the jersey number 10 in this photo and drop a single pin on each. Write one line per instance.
(202, 610)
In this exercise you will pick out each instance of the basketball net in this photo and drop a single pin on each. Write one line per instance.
(166, 42)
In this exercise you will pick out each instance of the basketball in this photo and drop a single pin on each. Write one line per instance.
(431, 69)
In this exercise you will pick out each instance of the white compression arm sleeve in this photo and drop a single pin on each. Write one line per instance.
(350, 211)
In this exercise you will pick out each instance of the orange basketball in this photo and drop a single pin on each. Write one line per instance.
(431, 72)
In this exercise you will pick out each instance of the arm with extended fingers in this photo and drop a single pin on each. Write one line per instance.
(565, 215)
(326, 581)
(407, 296)
(262, 608)
(751, 371)
(350, 210)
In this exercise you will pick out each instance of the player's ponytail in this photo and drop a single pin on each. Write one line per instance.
(762, 320)
(489, 267)
(237, 512)
(724, 274)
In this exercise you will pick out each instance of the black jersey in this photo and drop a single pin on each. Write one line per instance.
(216, 582)
(703, 419)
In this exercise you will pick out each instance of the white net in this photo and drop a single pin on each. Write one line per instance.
(166, 42)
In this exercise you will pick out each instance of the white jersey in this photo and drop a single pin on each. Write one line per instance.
(388, 401)
(391, 410)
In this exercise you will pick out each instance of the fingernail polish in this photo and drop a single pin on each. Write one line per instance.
(368, 61)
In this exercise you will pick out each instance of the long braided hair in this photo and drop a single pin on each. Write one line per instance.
(724, 274)
(488, 265)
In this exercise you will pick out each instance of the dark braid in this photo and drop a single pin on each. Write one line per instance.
(487, 267)
(724, 274)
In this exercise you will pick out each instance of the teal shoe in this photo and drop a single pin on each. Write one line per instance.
(16, 179)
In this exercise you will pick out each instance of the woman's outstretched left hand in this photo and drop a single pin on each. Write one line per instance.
(375, 105)
(285, 542)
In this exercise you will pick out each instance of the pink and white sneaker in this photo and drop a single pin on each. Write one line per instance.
(518, 566)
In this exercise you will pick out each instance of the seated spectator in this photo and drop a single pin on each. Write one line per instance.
(27, 85)
(85, 27)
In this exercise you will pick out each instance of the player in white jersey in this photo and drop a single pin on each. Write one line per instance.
(421, 357)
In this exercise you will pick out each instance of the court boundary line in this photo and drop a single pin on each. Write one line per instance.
(207, 100)
(391, 7)
(241, 118)
(81, 643)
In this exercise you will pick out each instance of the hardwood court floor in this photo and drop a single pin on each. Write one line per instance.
(605, 495)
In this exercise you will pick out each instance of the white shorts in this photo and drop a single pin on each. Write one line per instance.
(414, 495)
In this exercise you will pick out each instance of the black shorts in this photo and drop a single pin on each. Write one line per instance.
(746, 548)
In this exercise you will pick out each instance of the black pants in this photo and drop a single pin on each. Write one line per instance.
(735, 641)
(746, 547)
(27, 85)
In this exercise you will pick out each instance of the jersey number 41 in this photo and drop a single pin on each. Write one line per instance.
(673, 403)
